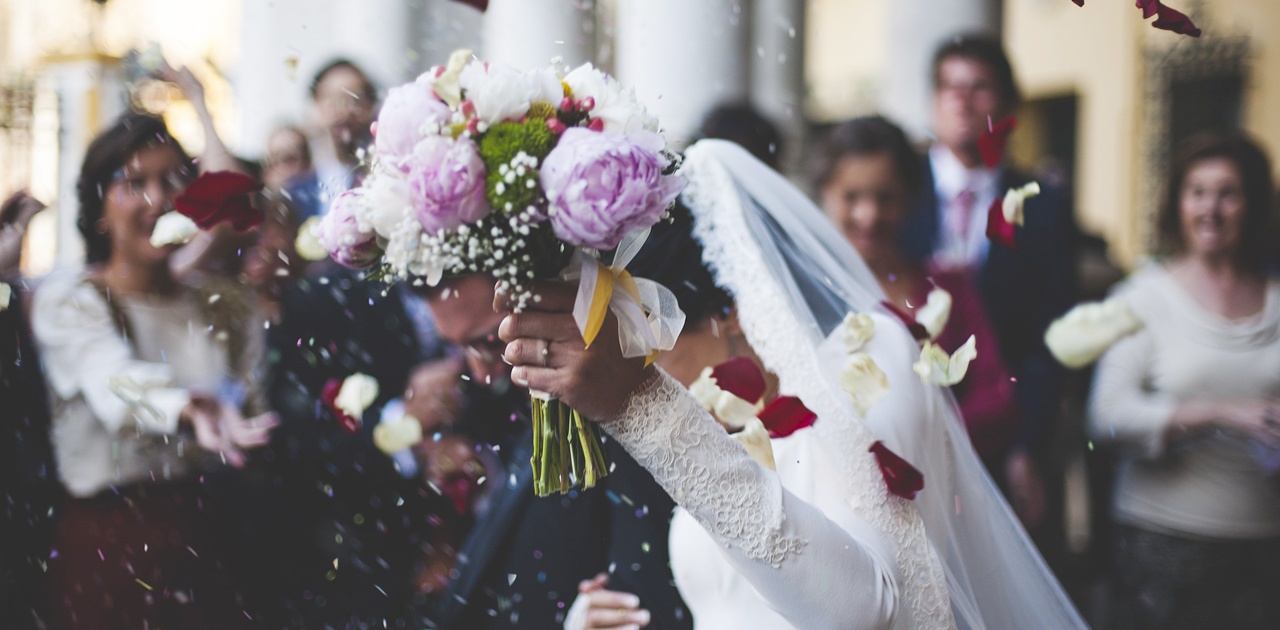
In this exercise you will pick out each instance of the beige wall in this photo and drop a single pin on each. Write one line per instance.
(845, 57)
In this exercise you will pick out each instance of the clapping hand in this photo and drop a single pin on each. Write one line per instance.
(221, 429)
(600, 609)
(547, 353)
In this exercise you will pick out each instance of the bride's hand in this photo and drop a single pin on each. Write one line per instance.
(596, 608)
(546, 349)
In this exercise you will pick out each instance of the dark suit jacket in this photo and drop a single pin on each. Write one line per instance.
(521, 565)
(322, 494)
(1023, 289)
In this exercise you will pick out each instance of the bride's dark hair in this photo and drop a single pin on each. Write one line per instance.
(672, 257)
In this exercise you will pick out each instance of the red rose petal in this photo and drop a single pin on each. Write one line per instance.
(1171, 20)
(329, 396)
(902, 478)
(991, 143)
(221, 196)
(998, 229)
(786, 415)
(741, 377)
(917, 330)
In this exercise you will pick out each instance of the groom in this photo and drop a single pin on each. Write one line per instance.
(522, 564)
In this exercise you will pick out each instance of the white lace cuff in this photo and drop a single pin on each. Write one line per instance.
(705, 471)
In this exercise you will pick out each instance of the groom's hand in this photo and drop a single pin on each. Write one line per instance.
(600, 609)
(547, 353)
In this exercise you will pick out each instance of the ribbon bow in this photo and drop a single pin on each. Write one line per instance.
(649, 318)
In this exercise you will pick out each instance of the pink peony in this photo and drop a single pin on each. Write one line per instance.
(340, 234)
(602, 185)
(407, 110)
(446, 181)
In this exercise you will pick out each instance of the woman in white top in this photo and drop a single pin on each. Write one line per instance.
(1193, 399)
(821, 543)
(147, 377)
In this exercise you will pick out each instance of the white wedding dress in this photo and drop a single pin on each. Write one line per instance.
(822, 543)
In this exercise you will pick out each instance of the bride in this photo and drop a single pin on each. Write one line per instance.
(821, 543)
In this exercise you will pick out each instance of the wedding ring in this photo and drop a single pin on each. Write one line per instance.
(546, 351)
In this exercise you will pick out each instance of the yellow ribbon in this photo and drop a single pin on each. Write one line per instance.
(606, 278)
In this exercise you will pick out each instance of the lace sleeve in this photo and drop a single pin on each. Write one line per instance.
(761, 527)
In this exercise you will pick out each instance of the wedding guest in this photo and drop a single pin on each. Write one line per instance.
(867, 175)
(1022, 289)
(745, 126)
(149, 379)
(288, 157)
(1193, 401)
(345, 105)
(525, 556)
(338, 496)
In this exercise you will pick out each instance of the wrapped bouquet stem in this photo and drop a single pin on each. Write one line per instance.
(479, 168)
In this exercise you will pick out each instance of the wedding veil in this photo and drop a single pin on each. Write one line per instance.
(794, 278)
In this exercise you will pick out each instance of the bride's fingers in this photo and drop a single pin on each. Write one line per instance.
(553, 327)
(537, 378)
(533, 352)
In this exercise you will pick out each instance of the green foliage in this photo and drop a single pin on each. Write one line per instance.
(499, 146)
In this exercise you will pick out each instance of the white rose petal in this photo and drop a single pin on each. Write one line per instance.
(499, 92)
(173, 228)
(1087, 331)
(6, 294)
(1015, 199)
(935, 312)
(859, 328)
(358, 391)
(704, 389)
(937, 368)
(447, 85)
(308, 243)
(756, 439)
(864, 381)
(394, 436)
(726, 407)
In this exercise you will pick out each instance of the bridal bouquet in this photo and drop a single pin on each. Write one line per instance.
(482, 168)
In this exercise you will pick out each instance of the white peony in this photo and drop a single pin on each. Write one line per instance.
(387, 201)
(937, 368)
(1015, 199)
(358, 391)
(173, 228)
(756, 439)
(1087, 331)
(616, 106)
(935, 312)
(859, 328)
(864, 381)
(500, 92)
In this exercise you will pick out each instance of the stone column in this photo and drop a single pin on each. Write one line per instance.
(777, 71)
(527, 34)
(445, 26)
(683, 57)
(915, 30)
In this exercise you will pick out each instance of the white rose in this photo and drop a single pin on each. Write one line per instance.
(617, 107)
(859, 328)
(864, 381)
(935, 312)
(1015, 199)
(756, 439)
(308, 242)
(358, 391)
(393, 436)
(173, 228)
(937, 368)
(498, 91)
(547, 86)
(1087, 331)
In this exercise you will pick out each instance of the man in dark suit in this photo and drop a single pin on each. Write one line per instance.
(522, 564)
(1022, 288)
